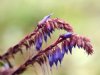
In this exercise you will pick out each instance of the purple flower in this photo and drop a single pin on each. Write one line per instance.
(70, 49)
(68, 46)
(45, 37)
(48, 33)
(37, 44)
(57, 55)
(51, 59)
(67, 35)
(49, 26)
(65, 46)
(62, 55)
(45, 19)
(39, 41)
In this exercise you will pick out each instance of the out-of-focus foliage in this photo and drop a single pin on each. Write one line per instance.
(1, 64)
(19, 17)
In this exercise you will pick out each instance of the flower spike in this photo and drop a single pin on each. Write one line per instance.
(55, 52)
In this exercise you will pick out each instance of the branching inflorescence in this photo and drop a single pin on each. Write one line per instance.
(53, 53)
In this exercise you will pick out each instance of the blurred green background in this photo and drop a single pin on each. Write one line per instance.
(19, 17)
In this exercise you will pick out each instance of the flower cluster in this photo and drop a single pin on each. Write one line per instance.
(53, 53)
(43, 31)
(49, 26)
(58, 53)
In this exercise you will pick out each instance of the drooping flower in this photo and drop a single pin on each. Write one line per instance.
(44, 30)
(67, 35)
(45, 36)
(62, 55)
(51, 60)
(39, 41)
(57, 54)
(70, 49)
(65, 45)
